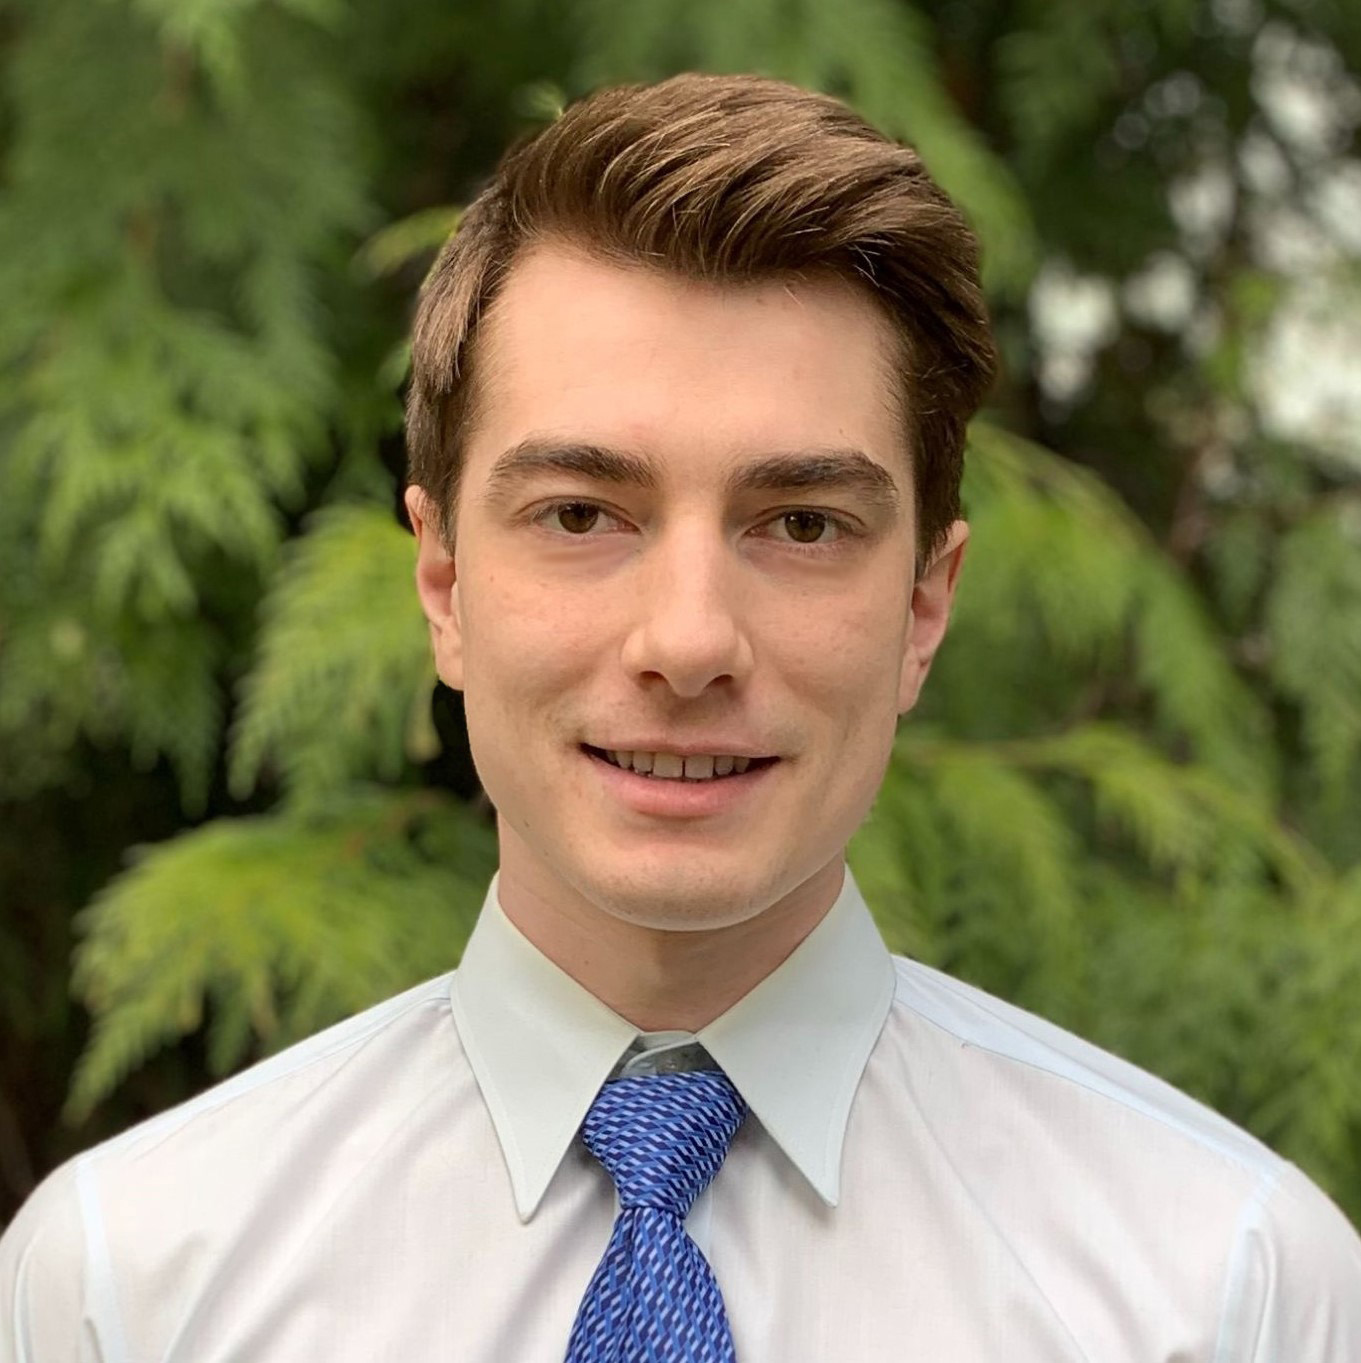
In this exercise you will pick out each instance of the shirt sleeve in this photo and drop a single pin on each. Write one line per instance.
(1294, 1293)
(42, 1270)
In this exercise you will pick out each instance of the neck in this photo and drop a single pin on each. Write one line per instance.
(659, 979)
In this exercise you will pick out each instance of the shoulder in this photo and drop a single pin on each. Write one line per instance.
(313, 1074)
(1293, 1289)
(42, 1256)
(1033, 1054)
(156, 1203)
(1185, 1200)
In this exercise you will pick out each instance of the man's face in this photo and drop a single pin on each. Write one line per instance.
(685, 530)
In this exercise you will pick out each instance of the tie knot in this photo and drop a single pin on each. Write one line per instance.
(663, 1137)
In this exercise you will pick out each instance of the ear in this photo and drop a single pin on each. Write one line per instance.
(933, 594)
(437, 585)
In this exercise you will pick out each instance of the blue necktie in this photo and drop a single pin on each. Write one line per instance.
(654, 1298)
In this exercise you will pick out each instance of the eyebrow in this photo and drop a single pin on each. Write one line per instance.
(846, 470)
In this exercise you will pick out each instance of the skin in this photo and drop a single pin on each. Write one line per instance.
(688, 609)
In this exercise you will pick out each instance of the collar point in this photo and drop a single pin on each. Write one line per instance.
(527, 1201)
(829, 1191)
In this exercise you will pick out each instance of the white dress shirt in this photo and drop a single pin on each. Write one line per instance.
(927, 1173)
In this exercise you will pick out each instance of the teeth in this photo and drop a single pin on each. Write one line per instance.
(672, 767)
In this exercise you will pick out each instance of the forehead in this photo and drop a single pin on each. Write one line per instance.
(579, 348)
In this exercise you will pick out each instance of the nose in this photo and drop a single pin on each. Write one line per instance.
(688, 627)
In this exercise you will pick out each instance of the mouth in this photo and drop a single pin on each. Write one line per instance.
(671, 767)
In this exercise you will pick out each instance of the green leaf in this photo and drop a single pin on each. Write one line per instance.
(1313, 615)
(401, 242)
(344, 657)
(267, 929)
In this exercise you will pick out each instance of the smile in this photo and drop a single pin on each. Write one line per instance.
(665, 766)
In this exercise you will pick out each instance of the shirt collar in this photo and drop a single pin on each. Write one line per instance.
(541, 1046)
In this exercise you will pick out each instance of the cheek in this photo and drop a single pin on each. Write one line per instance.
(848, 658)
(521, 640)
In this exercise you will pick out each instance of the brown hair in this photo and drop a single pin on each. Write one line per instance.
(729, 179)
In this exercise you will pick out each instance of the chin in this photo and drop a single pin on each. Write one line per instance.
(697, 894)
(668, 899)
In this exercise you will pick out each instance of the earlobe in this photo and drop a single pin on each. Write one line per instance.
(437, 586)
(932, 598)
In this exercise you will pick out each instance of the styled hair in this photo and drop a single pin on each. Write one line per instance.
(725, 179)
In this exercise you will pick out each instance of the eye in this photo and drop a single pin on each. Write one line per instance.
(808, 527)
(575, 518)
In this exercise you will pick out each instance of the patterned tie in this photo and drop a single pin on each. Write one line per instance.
(654, 1298)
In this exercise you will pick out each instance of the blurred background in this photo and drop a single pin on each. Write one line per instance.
(231, 812)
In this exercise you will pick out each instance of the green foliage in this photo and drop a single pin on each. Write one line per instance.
(342, 685)
(1313, 615)
(398, 243)
(263, 930)
(210, 31)
(166, 368)
(1057, 560)
(969, 863)
(71, 672)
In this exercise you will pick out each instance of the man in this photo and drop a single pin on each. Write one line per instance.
(686, 421)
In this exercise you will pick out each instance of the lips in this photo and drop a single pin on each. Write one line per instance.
(688, 768)
(675, 802)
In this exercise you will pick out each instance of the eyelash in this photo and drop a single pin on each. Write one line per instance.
(846, 529)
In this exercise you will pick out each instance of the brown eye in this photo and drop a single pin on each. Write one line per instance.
(804, 527)
(577, 518)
